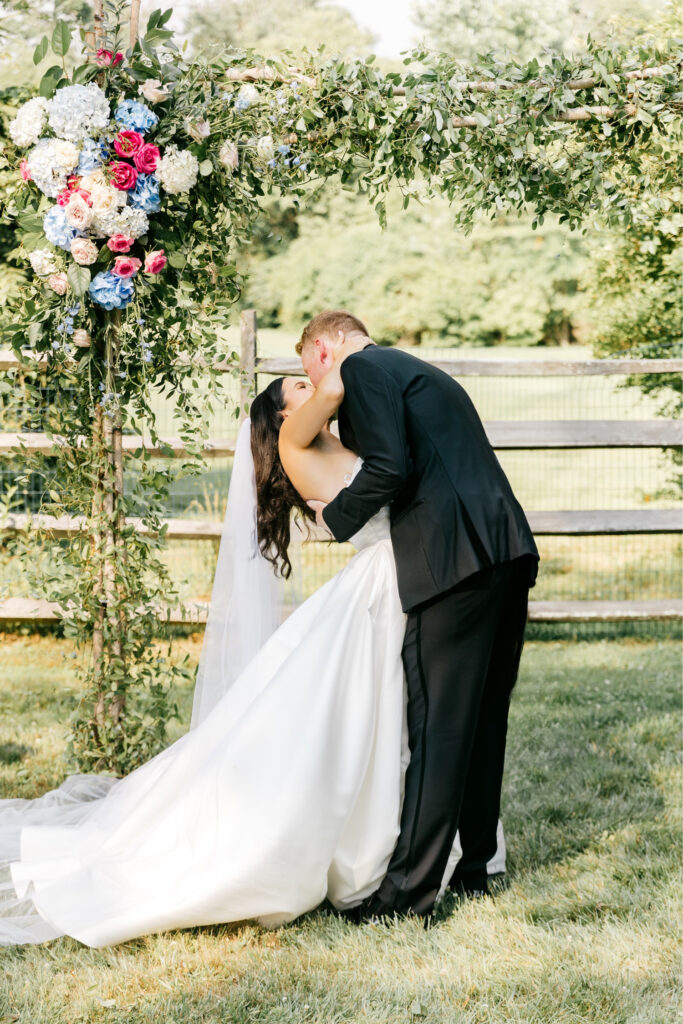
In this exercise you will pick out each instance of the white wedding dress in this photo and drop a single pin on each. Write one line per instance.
(289, 791)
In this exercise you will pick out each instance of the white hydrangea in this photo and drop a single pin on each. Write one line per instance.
(79, 111)
(50, 162)
(27, 126)
(177, 170)
(127, 221)
(43, 262)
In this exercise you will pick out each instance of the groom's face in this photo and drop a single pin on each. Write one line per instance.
(317, 358)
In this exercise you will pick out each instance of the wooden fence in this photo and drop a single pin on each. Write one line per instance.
(503, 434)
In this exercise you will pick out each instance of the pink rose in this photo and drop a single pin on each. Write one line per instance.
(64, 197)
(146, 158)
(105, 58)
(124, 176)
(119, 243)
(155, 262)
(58, 283)
(126, 266)
(128, 143)
(25, 172)
(83, 251)
(72, 181)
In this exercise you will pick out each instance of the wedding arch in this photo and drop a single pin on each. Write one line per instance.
(138, 177)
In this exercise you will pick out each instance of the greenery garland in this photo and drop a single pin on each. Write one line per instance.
(195, 146)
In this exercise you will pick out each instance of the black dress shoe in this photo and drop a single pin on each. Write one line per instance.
(371, 911)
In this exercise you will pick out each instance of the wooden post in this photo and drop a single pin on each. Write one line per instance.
(248, 347)
(134, 21)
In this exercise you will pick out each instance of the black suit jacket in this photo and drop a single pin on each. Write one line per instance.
(426, 455)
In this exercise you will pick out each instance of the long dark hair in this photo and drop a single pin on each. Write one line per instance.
(275, 496)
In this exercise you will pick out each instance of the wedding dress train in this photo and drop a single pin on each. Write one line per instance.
(289, 791)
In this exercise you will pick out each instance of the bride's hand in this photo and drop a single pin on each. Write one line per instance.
(349, 346)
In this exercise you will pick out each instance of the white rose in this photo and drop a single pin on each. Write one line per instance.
(27, 126)
(43, 262)
(81, 338)
(92, 180)
(77, 212)
(105, 199)
(265, 148)
(153, 90)
(229, 156)
(84, 251)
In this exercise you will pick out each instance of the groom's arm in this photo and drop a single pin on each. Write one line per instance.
(373, 404)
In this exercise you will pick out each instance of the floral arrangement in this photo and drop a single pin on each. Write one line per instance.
(106, 178)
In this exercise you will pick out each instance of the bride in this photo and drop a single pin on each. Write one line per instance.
(287, 789)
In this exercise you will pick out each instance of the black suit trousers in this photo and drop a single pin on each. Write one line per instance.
(461, 656)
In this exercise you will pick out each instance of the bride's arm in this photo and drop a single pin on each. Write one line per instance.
(302, 426)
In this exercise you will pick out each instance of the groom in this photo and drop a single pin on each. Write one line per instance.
(465, 559)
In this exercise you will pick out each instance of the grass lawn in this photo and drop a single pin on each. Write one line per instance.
(587, 932)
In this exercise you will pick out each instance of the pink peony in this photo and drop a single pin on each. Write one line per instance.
(119, 243)
(58, 283)
(147, 158)
(155, 262)
(128, 143)
(25, 172)
(124, 176)
(126, 266)
(83, 251)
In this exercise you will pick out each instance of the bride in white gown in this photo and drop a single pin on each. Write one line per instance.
(287, 789)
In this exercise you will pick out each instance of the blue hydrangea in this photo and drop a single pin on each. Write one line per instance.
(111, 291)
(93, 155)
(57, 230)
(145, 195)
(136, 117)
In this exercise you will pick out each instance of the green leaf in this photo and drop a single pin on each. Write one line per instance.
(177, 260)
(35, 333)
(61, 38)
(79, 279)
(41, 50)
(49, 81)
(439, 119)
(205, 167)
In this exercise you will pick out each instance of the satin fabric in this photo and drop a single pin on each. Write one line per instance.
(288, 792)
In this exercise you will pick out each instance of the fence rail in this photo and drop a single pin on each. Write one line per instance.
(531, 435)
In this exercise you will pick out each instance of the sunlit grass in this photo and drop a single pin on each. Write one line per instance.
(587, 932)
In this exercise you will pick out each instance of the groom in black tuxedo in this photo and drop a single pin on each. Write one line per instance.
(465, 559)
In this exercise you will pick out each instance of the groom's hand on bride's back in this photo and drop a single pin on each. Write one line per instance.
(319, 507)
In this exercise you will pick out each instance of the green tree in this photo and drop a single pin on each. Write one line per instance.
(466, 28)
(271, 26)
(421, 280)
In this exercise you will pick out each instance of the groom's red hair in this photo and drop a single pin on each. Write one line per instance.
(329, 322)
